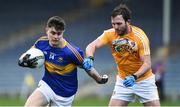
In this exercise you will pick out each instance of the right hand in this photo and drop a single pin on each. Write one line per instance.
(104, 79)
(27, 62)
(129, 81)
(88, 63)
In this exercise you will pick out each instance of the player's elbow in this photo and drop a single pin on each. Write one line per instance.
(90, 46)
(148, 64)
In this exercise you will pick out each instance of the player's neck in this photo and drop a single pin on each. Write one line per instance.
(129, 29)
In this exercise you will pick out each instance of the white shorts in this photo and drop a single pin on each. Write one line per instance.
(144, 90)
(52, 98)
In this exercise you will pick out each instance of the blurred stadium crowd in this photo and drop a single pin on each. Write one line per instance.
(22, 21)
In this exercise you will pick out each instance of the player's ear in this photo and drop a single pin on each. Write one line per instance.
(129, 21)
(46, 29)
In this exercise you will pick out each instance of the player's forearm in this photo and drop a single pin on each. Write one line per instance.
(144, 68)
(95, 75)
(90, 49)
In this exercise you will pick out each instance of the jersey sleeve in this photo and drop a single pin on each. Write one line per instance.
(39, 43)
(78, 57)
(76, 54)
(104, 37)
(144, 45)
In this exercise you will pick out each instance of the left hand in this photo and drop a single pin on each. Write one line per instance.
(129, 81)
(26, 62)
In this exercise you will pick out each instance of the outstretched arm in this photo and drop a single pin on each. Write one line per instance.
(88, 62)
(91, 48)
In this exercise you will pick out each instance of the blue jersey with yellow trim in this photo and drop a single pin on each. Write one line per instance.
(61, 66)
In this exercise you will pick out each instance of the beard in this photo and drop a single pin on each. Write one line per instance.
(122, 31)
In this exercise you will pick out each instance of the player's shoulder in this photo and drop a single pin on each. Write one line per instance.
(41, 42)
(111, 30)
(139, 33)
(137, 30)
(73, 50)
(72, 46)
(43, 38)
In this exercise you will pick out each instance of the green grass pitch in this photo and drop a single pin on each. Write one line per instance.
(12, 101)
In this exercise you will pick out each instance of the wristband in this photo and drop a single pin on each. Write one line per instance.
(91, 57)
(135, 77)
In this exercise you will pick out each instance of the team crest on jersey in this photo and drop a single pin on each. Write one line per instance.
(123, 45)
(60, 59)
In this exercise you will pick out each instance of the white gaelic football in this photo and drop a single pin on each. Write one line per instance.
(35, 53)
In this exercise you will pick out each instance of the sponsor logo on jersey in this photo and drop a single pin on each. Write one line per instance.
(122, 45)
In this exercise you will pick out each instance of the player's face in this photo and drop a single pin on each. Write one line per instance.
(119, 24)
(55, 36)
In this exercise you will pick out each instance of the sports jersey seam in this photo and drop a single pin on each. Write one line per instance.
(145, 47)
(140, 35)
(76, 53)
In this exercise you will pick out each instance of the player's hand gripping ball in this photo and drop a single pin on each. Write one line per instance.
(33, 58)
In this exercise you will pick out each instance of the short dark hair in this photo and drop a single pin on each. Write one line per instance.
(56, 22)
(123, 10)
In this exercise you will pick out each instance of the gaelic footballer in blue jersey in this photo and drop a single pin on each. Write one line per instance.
(59, 83)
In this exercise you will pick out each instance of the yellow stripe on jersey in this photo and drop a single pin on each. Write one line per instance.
(42, 38)
(141, 36)
(59, 69)
(76, 53)
(33, 46)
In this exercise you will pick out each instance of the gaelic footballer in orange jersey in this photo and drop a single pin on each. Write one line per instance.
(131, 52)
(127, 50)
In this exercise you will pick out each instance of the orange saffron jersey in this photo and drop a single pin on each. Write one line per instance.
(127, 50)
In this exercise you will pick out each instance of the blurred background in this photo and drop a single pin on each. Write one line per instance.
(22, 22)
